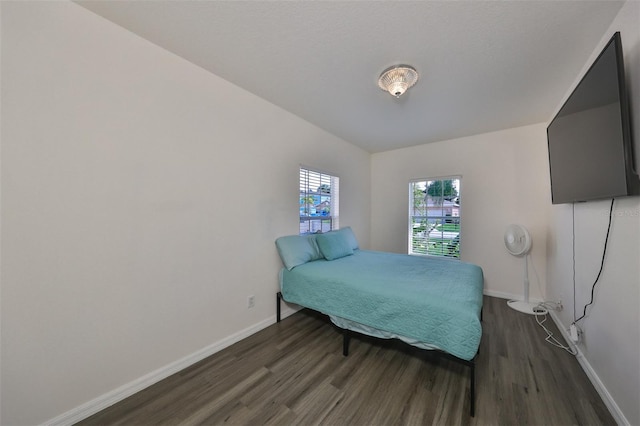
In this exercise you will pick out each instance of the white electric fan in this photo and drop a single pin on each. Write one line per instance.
(518, 243)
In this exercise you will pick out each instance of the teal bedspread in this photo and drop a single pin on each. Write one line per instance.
(432, 300)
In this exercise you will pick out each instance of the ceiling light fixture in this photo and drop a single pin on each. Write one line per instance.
(397, 79)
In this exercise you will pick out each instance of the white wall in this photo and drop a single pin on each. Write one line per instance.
(504, 180)
(611, 340)
(141, 197)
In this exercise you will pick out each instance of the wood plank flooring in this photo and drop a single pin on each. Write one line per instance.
(293, 373)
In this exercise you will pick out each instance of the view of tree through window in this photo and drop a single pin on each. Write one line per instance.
(318, 201)
(434, 217)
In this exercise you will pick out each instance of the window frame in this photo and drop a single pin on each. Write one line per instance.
(310, 179)
(444, 223)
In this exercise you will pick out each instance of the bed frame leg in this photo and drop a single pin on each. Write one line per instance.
(472, 388)
(278, 299)
(346, 337)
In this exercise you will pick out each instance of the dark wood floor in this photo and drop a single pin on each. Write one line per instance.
(294, 373)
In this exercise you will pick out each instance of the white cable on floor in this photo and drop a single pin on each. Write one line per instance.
(550, 338)
(549, 306)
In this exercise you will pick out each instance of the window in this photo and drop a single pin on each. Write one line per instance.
(318, 201)
(434, 217)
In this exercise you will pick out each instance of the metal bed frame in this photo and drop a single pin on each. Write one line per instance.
(346, 337)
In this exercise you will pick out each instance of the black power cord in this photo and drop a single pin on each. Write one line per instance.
(604, 252)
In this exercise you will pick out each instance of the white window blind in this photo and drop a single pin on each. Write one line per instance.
(319, 201)
(434, 217)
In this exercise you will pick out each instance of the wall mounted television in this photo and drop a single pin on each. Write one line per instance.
(589, 140)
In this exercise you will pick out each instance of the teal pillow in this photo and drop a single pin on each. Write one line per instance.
(296, 250)
(334, 245)
(316, 255)
(350, 236)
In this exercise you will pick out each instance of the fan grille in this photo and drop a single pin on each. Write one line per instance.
(517, 240)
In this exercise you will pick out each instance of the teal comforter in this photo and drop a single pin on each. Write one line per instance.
(432, 300)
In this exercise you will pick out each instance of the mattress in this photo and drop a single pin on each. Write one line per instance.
(429, 302)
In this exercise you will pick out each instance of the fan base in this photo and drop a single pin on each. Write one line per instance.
(530, 308)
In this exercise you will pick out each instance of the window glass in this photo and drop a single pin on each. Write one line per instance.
(434, 217)
(319, 194)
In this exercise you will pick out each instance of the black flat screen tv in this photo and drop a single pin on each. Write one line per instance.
(589, 140)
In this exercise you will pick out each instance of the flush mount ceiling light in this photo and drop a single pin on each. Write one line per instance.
(397, 79)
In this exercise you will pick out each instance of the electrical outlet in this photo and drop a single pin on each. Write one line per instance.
(574, 333)
(251, 301)
(559, 306)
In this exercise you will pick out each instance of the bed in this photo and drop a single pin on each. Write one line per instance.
(428, 302)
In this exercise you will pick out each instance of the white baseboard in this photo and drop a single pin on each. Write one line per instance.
(100, 403)
(287, 310)
(608, 400)
(508, 296)
(499, 294)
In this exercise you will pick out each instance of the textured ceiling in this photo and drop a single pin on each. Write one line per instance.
(484, 65)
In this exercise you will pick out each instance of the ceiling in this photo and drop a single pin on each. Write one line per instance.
(484, 65)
